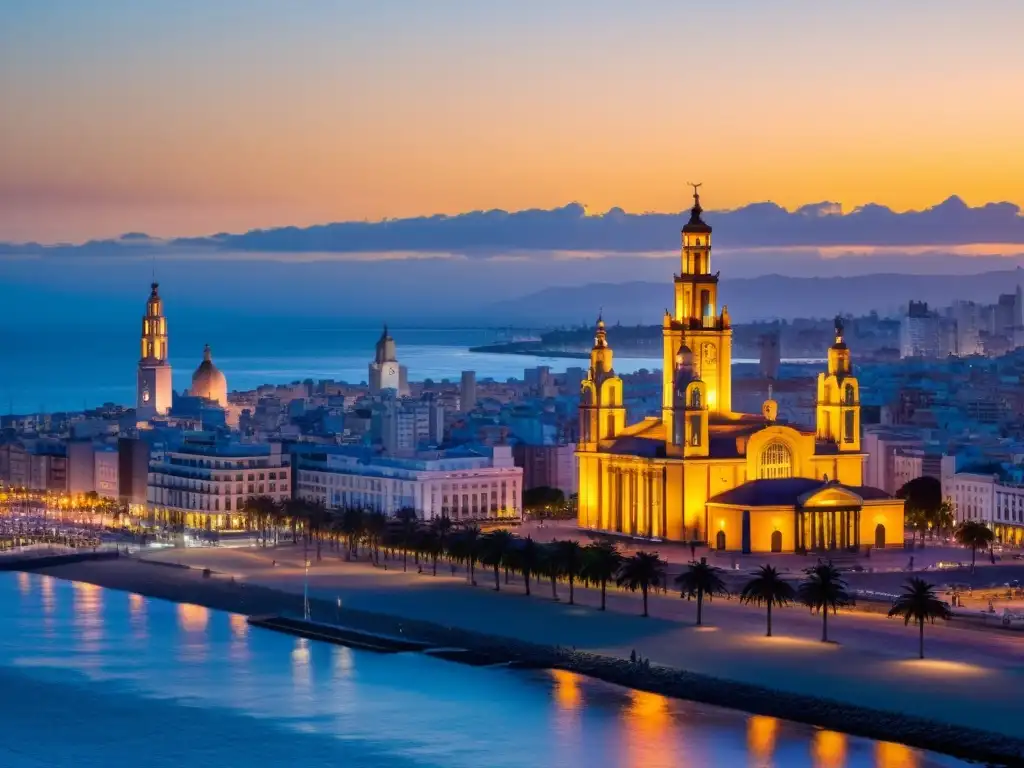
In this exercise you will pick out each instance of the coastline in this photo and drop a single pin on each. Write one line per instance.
(177, 583)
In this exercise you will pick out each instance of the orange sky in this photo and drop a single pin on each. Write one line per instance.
(199, 119)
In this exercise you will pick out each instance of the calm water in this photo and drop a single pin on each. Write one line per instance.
(103, 678)
(45, 369)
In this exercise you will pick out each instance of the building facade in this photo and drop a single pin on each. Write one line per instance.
(154, 392)
(702, 472)
(551, 466)
(459, 484)
(204, 482)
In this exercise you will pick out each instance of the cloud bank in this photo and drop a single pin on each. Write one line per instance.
(486, 234)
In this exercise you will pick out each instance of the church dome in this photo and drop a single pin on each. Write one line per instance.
(209, 382)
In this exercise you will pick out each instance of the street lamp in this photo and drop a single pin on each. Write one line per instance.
(305, 591)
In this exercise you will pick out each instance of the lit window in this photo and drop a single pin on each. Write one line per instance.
(776, 461)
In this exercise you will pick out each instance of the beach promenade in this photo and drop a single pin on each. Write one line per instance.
(971, 678)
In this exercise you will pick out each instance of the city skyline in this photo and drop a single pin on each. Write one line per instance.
(229, 118)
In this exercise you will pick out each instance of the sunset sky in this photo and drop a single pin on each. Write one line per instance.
(187, 117)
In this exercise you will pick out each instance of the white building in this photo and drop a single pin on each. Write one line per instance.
(205, 482)
(882, 445)
(995, 499)
(460, 484)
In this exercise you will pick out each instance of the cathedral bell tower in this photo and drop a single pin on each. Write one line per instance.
(602, 415)
(154, 390)
(838, 403)
(696, 318)
(689, 436)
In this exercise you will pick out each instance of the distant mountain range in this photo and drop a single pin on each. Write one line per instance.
(761, 298)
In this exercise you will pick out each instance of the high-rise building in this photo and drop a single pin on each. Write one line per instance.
(154, 390)
(702, 472)
(921, 332)
(770, 359)
(407, 425)
(467, 392)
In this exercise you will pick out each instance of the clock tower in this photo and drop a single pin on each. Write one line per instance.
(154, 392)
(385, 372)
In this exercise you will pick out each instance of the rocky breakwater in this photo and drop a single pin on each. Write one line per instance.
(966, 743)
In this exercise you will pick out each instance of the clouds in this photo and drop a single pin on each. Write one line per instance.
(570, 229)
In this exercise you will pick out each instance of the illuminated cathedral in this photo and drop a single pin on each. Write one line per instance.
(701, 472)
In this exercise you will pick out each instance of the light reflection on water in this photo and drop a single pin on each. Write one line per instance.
(205, 688)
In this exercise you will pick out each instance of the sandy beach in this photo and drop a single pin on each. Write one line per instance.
(970, 680)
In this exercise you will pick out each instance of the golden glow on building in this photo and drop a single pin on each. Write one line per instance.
(702, 472)
(828, 749)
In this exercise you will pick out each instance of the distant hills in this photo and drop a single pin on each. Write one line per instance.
(760, 298)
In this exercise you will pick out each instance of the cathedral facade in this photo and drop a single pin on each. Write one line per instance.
(704, 473)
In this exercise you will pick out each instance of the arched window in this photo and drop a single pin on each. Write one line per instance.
(776, 541)
(695, 431)
(720, 540)
(697, 265)
(850, 427)
(695, 398)
(849, 398)
(776, 461)
(611, 425)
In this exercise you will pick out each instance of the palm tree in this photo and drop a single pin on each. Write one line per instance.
(529, 558)
(975, 535)
(376, 525)
(569, 555)
(465, 545)
(821, 589)
(431, 545)
(407, 522)
(601, 564)
(317, 516)
(352, 527)
(443, 528)
(259, 510)
(494, 551)
(551, 566)
(642, 571)
(698, 580)
(918, 602)
(769, 589)
(943, 518)
(297, 511)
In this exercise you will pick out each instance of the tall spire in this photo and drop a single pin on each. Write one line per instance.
(207, 354)
(696, 223)
(600, 336)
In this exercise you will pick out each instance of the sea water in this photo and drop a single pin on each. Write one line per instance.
(93, 677)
